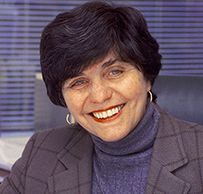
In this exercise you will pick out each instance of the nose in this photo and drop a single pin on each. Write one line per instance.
(99, 92)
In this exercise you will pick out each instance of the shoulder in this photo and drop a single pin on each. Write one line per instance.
(184, 126)
(48, 144)
(56, 138)
(178, 148)
(190, 134)
(40, 159)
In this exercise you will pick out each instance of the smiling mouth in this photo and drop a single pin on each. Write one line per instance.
(107, 114)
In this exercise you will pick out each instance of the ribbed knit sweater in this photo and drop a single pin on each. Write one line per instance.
(122, 166)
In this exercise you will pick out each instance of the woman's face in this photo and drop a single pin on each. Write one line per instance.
(108, 99)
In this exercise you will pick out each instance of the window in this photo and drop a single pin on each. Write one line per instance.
(178, 27)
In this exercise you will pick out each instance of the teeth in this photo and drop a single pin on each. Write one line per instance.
(109, 113)
(104, 114)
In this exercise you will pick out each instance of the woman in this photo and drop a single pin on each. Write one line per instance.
(100, 61)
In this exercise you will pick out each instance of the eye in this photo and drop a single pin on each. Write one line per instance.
(115, 72)
(78, 84)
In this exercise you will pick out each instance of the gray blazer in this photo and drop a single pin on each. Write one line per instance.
(60, 161)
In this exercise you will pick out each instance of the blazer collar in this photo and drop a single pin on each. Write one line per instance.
(77, 158)
(167, 156)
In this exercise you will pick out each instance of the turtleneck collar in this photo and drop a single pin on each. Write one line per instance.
(140, 139)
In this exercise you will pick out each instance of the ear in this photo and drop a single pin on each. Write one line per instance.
(149, 86)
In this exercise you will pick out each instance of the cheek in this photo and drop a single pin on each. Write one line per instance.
(132, 89)
(74, 102)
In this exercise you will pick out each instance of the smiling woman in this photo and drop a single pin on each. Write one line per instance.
(100, 61)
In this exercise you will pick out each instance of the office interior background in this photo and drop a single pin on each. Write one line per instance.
(177, 26)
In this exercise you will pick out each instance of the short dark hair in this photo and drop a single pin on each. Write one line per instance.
(74, 39)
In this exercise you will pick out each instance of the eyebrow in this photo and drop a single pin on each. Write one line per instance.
(109, 63)
(104, 65)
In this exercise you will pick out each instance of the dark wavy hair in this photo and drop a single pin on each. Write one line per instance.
(74, 39)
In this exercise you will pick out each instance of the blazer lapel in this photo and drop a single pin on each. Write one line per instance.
(77, 158)
(167, 156)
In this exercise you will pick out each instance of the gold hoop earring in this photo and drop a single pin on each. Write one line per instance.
(151, 97)
(71, 120)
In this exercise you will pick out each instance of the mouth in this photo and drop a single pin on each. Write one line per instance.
(107, 114)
